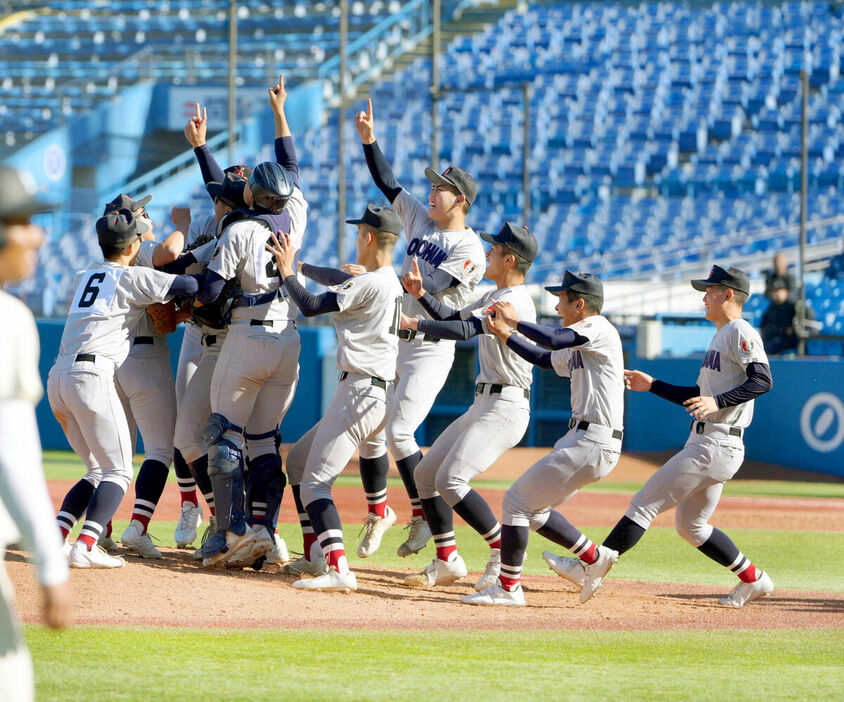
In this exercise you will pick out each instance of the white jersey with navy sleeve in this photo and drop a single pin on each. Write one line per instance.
(368, 322)
(596, 369)
(500, 364)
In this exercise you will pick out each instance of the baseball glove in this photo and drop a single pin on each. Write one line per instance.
(163, 317)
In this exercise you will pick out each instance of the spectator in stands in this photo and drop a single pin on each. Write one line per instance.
(780, 276)
(779, 328)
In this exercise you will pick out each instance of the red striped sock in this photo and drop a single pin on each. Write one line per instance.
(590, 555)
(749, 574)
(137, 516)
(444, 552)
(508, 584)
(378, 508)
(496, 543)
(334, 558)
(188, 496)
(308, 540)
(108, 528)
(88, 540)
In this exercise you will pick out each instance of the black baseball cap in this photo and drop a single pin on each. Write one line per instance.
(119, 228)
(731, 277)
(378, 217)
(584, 283)
(17, 196)
(519, 240)
(240, 170)
(457, 178)
(230, 191)
(124, 202)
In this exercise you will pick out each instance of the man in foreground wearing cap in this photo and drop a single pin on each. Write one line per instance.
(734, 371)
(107, 304)
(587, 349)
(366, 311)
(450, 259)
(495, 422)
(23, 493)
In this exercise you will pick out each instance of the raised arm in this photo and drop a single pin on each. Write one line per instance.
(196, 131)
(171, 248)
(285, 151)
(379, 169)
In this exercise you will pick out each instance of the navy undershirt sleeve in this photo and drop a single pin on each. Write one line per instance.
(309, 304)
(677, 394)
(531, 353)
(180, 264)
(438, 310)
(758, 382)
(325, 276)
(455, 331)
(285, 154)
(381, 172)
(436, 281)
(211, 171)
(211, 288)
(184, 285)
(551, 337)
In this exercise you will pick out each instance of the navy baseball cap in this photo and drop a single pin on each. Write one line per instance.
(119, 228)
(584, 283)
(230, 191)
(382, 218)
(124, 202)
(519, 240)
(456, 178)
(731, 277)
(240, 170)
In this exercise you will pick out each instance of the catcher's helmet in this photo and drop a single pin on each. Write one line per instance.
(271, 187)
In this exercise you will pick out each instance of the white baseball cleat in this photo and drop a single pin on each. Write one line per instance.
(81, 557)
(135, 539)
(256, 543)
(302, 566)
(418, 535)
(374, 529)
(279, 553)
(190, 519)
(497, 595)
(493, 570)
(569, 568)
(595, 572)
(439, 572)
(332, 581)
(107, 543)
(236, 544)
(743, 593)
(66, 546)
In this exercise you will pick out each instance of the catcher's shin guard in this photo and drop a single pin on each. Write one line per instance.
(225, 469)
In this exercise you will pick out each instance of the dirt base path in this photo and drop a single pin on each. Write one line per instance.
(175, 592)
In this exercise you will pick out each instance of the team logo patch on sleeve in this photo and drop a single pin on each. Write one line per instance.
(348, 284)
(746, 346)
(468, 266)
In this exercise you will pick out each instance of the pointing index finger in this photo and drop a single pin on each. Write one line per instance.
(368, 108)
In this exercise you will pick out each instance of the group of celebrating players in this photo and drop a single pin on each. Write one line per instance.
(236, 276)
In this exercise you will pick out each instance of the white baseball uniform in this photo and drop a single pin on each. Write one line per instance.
(367, 328)
(256, 373)
(498, 417)
(25, 509)
(694, 478)
(592, 446)
(423, 365)
(106, 307)
(146, 380)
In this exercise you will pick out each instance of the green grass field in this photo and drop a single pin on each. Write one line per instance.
(137, 663)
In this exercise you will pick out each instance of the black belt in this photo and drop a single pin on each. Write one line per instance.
(700, 428)
(583, 425)
(209, 339)
(408, 334)
(377, 382)
(85, 358)
(261, 323)
(144, 340)
(496, 388)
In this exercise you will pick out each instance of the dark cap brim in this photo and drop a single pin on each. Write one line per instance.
(143, 201)
(355, 221)
(702, 285)
(142, 227)
(555, 289)
(435, 177)
(31, 206)
(489, 237)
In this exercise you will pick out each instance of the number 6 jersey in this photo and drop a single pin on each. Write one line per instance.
(368, 322)
(107, 304)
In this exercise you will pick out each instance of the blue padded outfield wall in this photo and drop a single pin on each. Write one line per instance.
(799, 424)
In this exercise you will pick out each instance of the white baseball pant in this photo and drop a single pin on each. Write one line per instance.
(189, 354)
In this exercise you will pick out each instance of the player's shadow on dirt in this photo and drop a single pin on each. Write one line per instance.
(182, 561)
(17, 557)
(800, 604)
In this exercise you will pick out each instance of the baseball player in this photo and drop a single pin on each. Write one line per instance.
(107, 304)
(146, 380)
(495, 422)
(450, 258)
(588, 350)
(366, 310)
(734, 372)
(23, 494)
